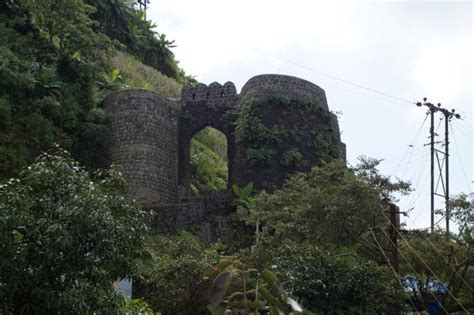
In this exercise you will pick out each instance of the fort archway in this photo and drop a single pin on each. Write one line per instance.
(205, 106)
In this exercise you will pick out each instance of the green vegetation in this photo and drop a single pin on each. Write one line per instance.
(135, 74)
(335, 280)
(175, 282)
(209, 164)
(65, 237)
(331, 204)
(67, 233)
(290, 158)
(58, 59)
(121, 21)
(259, 157)
(266, 128)
(251, 291)
(315, 234)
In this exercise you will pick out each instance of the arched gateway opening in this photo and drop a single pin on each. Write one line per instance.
(209, 162)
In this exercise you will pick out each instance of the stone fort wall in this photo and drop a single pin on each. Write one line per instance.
(264, 85)
(150, 139)
(144, 143)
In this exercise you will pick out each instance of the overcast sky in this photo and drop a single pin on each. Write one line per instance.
(403, 50)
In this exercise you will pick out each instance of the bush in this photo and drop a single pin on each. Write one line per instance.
(290, 158)
(337, 281)
(65, 237)
(174, 283)
(259, 157)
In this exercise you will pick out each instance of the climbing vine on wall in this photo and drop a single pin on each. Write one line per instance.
(290, 132)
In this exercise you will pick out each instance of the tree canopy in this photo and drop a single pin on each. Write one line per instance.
(65, 237)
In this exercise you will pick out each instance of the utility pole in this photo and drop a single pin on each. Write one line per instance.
(448, 115)
(446, 163)
(432, 136)
(393, 233)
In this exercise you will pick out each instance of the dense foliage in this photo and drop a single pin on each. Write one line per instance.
(332, 204)
(209, 164)
(65, 237)
(317, 233)
(238, 289)
(266, 129)
(55, 69)
(332, 279)
(122, 21)
(175, 283)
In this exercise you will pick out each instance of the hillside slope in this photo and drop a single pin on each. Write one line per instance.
(58, 61)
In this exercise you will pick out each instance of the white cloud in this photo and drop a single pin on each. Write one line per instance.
(439, 70)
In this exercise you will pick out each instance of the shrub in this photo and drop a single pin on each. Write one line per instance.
(290, 158)
(174, 283)
(65, 237)
(259, 157)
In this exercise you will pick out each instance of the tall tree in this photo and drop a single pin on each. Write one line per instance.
(65, 237)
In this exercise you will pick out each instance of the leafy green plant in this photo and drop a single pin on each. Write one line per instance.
(331, 204)
(138, 307)
(290, 158)
(243, 200)
(259, 157)
(241, 290)
(65, 237)
(328, 279)
(174, 282)
(58, 61)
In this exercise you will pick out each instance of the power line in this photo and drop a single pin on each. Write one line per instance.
(417, 137)
(360, 86)
(408, 263)
(463, 131)
(421, 174)
(439, 253)
(459, 158)
(424, 263)
(415, 142)
(465, 126)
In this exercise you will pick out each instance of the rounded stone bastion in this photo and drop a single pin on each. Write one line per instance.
(283, 126)
(261, 86)
(144, 144)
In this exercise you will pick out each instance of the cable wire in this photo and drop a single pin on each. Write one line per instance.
(360, 86)
(409, 264)
(439, 253)
(459, 157)
(424, 263)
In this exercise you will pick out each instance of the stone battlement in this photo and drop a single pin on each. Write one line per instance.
(215, 94)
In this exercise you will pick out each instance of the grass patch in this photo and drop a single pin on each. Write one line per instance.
(137, 75)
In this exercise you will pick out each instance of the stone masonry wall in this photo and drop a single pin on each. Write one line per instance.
(267, 84)
(150, 139)
(289, 128)
(197, 214)
(144, 144)
(204, 106)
